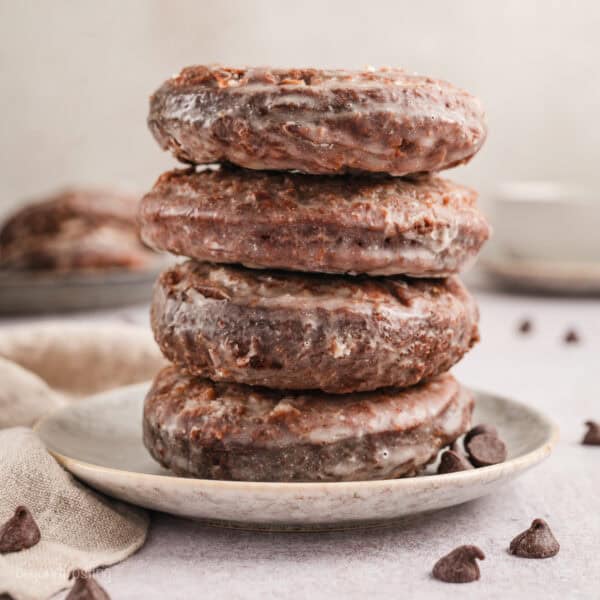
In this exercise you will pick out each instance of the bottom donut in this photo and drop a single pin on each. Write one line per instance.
(200, 428)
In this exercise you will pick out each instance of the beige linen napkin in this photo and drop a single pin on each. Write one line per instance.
(24, 397)
(83, 358)
(79, 528)
(42, 367)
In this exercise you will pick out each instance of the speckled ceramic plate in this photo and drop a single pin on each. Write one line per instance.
(100, 441)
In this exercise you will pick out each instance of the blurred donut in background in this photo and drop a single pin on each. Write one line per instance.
(73, 230)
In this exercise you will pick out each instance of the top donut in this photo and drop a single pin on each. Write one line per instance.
(317, 121)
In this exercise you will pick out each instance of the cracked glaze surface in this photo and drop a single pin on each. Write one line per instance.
(306, 331)
(429, 227)
(213, 430)
(316, 121)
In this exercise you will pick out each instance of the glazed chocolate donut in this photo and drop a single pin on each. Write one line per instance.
(306, 331)
(77, 229)
(316, 121)
(199, 428)
(374, 225)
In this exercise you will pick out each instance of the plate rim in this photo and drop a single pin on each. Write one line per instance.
(499, 262)
(520, 462)
(82, 277)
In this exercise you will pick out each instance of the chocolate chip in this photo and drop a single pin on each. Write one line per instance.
(571, 337)
(592, 436)
(486, 449)
(19, 532)
(477, 430)
(536, 542)
(525, 326)
(86, 588)
(459, 566)
(452, 462)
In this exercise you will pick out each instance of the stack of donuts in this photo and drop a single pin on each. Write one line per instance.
(312, 328)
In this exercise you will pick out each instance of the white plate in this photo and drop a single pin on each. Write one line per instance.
(100, 441)
(553, 277)
(28, 293)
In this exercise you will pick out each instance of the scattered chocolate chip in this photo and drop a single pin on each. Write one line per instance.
(525, 326)
(536, 542)
(19, 532)
(477, 430)
(452, 462)
(86, 588)
(571, 337)
(592, 436)
(486, 449)
(459, 566)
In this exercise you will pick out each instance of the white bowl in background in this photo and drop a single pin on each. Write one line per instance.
(546, 220)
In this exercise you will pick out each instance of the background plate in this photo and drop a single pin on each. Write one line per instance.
(543, 277)
(31, 293)
(100, 441)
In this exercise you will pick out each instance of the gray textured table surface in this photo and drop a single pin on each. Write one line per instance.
(184, 559)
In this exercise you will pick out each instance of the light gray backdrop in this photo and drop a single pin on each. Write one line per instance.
(76, 76)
